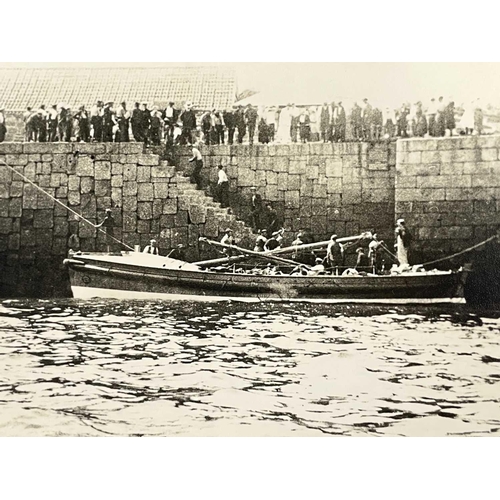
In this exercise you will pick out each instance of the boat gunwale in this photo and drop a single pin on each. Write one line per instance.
(411, 280)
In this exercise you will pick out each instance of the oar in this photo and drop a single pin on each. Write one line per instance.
(278, 251)
(320, 244)
(261, 255)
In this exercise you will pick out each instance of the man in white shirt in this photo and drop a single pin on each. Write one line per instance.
(223, 187)
(152, 248)
(198, 165)
(228, 239)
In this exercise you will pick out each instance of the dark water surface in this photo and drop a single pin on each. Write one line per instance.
(100, 368)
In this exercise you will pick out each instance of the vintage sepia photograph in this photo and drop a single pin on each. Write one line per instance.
(219, 256)
(225, 246)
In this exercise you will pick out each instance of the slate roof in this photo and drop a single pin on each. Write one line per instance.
(205, 86)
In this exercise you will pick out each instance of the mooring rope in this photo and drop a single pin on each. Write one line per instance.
(65, 206)
(467, 250)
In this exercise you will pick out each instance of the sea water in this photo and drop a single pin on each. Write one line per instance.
(152, 368)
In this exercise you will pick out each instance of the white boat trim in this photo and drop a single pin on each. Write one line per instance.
(83, 292)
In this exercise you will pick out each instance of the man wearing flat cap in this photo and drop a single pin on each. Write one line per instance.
(334, 254)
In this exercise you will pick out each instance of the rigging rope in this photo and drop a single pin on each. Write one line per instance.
(65, 206)
(491, 238)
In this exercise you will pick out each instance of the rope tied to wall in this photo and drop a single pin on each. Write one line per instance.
(65, 206)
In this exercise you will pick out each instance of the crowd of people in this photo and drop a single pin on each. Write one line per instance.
(330, 122)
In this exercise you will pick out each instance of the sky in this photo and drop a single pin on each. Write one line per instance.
(384, 84)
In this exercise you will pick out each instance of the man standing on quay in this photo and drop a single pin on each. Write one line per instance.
(229, 120)
(239, 117)
(251, 119)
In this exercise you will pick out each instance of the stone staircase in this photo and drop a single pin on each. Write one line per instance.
(211, 218)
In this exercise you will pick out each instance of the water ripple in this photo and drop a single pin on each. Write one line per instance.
(96, 368)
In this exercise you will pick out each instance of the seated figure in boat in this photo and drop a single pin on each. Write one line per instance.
(318, 268)
(152, 248)
(178, 252)
(261, 241)
(274, 241)
(228, 239)
(362, 261)
(334, 254)
(304, 256)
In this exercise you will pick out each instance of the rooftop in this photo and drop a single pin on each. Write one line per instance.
(206, 87)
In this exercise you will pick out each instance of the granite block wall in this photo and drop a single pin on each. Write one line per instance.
(325, 188)
(148, 198)
(448, 190)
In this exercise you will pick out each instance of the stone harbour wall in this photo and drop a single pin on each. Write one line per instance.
(326, 188)
(148, 198)
(448, 191)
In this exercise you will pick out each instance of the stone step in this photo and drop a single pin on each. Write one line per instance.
(195, 196)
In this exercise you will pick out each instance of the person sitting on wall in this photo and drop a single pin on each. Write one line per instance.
(152, 248)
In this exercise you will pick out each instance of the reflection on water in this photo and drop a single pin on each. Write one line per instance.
(70, 368)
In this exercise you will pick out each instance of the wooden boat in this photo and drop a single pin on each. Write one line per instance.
(137, 275)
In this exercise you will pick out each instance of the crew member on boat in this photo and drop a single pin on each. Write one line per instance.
(374, 253)
(177, 252)
(334, 254)
(403, 242)
(228, 239)
(152, 248)
(108, 224)
(275, 241)
(261, 241)
(362, 261)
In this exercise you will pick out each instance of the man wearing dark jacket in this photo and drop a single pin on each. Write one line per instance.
(145, 123)
(188, 119)
(251, 120)
(340, 123)
(324, 122)
(136, 122)
(230, 123)
(256, 209)
(239, 117)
